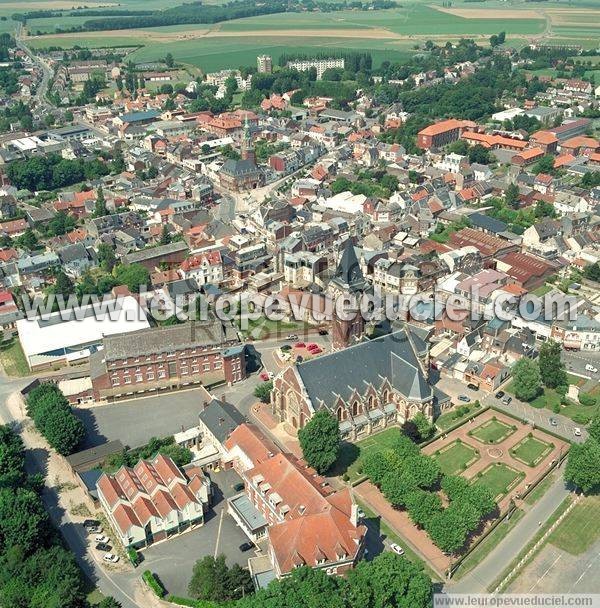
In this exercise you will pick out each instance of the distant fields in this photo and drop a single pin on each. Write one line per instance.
(387, 34)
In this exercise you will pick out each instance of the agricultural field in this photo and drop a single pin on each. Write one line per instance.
(387, 34)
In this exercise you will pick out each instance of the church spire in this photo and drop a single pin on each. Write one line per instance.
(247, 147)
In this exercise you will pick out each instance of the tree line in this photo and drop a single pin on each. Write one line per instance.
(36, 571)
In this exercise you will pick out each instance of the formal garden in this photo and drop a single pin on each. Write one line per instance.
(456, 457)
(492, 431)
(531, 450)
(499, 478)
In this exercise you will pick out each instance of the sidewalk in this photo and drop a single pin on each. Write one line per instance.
(483, 575)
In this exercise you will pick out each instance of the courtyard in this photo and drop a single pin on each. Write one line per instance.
(499, 478)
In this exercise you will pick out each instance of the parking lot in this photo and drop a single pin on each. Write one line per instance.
(173, 560)
(135, 421)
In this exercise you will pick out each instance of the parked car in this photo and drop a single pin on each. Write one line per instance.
(464, 398)
(292, 337)
(312, 345)
(246, 547)
(264, 376)
(323, 332)
(397, 549)
(507, 400)
(103, 547)
(91, 523)
(110, 557)
(315, 351)
(553, 421)
(590, 368)
(238, 487)
(300, 345)
(472, 386)
(577, 431)
(499, 394)
(100, 538)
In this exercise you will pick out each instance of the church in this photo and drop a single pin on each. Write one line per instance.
(367, 385)
(242, 174)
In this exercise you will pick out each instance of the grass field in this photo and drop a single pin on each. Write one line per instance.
(492, 431)
(499, 478)
(531, 450)
(456, 457)
(579, 530)
(452, 417)
(13, 359)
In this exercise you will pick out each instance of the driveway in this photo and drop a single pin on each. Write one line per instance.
(173, 560)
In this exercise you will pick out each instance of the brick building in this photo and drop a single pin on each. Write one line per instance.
(306, 522)
(167, 358)
(442, 133)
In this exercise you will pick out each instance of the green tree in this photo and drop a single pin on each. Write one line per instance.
(422, 506)
(583, 465)
(165, 237)
(23, 521)
(109, 602)
(263, 391)
(424, 427)
(320, 440)
(375, 465)
(544, 165)
(100, 209)
(170, 62)
(12, 458)
(388, 581)
(593, 429)
(213, 581)
(396, 486)
(511, 196)
(552, 369)
(527, 381)
(106, 257)
(134, 276)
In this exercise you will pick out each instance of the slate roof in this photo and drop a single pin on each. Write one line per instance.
(348, 275)
(166, 339)
(221, 418)
(480, 220)
(392, 356)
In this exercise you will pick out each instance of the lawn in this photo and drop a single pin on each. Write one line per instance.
(499, 478)
(456, 457)
(349, 459)
(455, 415)
(492, 431)
(551, 400)
(531, 450)
(13, 359)
(579, 530)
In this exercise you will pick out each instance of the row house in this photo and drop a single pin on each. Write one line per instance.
(153, 501)
(204, 268)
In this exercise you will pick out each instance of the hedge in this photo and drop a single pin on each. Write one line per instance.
(152, 581)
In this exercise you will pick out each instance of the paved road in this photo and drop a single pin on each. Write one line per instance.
(483, 575)
(47, 72)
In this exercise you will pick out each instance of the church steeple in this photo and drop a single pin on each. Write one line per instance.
(247, 147)
(348, 275)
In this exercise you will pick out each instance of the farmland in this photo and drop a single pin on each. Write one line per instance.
(387, 34)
